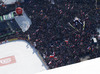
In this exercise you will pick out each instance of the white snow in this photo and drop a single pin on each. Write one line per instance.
(11, 1)
(27, 58)
(86, 67)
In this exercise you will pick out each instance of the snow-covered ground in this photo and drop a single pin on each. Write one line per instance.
(18, 57)
(10, 1)
(85, 67)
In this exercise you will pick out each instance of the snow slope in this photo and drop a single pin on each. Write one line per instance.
(26, 59)
(85, 67)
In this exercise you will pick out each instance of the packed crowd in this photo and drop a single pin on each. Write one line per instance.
(60, 38)
(62, 31)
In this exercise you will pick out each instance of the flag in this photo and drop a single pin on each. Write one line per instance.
(66, 41)
(50, 62)
(29, 37)
(89, 48)
(51, 56)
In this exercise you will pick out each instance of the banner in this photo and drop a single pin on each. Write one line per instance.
(7, 60)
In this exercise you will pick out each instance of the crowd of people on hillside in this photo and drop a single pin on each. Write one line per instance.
(62, 31)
